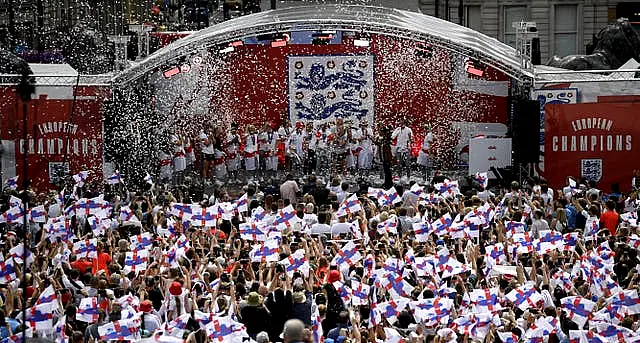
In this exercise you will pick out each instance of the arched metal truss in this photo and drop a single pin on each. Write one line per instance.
(376, 20)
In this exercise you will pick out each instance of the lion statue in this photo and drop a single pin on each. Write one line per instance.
(613, 46)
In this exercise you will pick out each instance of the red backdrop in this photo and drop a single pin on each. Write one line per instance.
(47, 127)
(595, 139)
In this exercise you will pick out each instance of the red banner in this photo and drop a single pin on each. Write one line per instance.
(55, 139)
(595, 141)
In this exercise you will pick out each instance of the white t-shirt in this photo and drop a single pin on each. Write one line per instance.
(318, 228)
(251, 143)
(206, 149)
(268, 141)
(310, 218)
(404, 135)
(426, 143)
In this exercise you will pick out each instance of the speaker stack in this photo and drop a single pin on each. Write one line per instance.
(525, 129)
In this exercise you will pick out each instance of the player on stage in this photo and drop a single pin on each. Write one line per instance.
(424, 156)
(206, 146)
(339, 145)
(365, 148)
(219, 155)
(268, 151)
(296, 145)
(404, 137)
(233, 158)
(251, 152)
(179, 160)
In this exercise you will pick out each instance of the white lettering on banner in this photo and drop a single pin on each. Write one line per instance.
(595, 143)
(57, 127)
(55, 146)
(592, 123)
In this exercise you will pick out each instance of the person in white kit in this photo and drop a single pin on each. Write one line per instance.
(251, 152)
(284, 132)
(206, 145)
(321, 144)
(219, 154)
(189, 154)
(179, 160)
(424, 156)
(404, 137)
(365, 155)
(296, 145)
(233, 158)
(268, 151)
(166, 166)
(353, 145)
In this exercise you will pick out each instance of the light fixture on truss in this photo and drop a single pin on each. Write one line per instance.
(362, 40)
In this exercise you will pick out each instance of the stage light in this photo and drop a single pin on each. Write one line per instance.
(237, 43)
(474, 68)
(185, 68)
(423, 50)
(278, 43)
(227, 50)
(275, 39)
(171, 72)
(322, 37)
(362, 40)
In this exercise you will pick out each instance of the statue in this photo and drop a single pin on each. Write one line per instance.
(613, 46)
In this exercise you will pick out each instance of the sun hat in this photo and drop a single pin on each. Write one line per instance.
(175, 288)
(146, 306)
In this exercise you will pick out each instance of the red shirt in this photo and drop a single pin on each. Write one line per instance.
(610, 221)
(81, 265)
(101, 262)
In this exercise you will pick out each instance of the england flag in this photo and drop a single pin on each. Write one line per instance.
(268, 251)
(125, 329)
(136, 261)
(421, 231)
(578, 309)
(525, 296)
(360, 293)
(114, 178)
(485, 300)
(38, 214)
(347, 256)
(12, 182)
(296, 262)
(349, 206)
(88, 310)
(286, 218)
(81, 178)
(482, 179)
(254, 231)
(86, 248)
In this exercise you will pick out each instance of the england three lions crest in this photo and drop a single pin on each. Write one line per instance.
(591, 169)
(322, 88)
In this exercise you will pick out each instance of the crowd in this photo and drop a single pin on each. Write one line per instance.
(314, 262)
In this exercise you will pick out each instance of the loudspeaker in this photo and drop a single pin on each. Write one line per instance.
(535, 52)
(526, 131)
